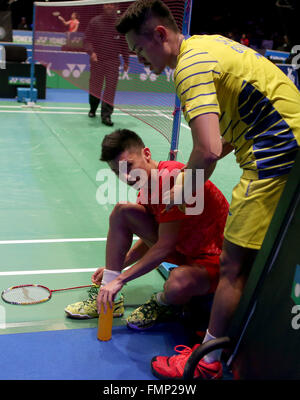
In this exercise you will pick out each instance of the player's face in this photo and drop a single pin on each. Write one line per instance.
(133, 167)
(149, 50)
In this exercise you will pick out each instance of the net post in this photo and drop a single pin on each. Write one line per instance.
(175, 130)
(32, 58)
(177, 110)
(29, 95)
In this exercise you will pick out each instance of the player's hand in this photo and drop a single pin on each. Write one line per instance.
(97, 276)
(94, 57)
(107, 293)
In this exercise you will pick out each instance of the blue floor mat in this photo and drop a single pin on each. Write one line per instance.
(78, 354)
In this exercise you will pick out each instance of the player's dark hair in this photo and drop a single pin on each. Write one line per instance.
(118, 141)
(140, 11)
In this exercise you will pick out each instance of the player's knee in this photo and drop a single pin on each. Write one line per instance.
(119, 211)
(178, 281)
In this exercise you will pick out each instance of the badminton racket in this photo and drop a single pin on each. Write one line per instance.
(31, 294)
(56, 13)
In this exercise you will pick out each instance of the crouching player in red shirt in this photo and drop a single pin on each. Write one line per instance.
(193, 242)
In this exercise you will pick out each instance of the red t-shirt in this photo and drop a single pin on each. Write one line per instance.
(199, 234)
(73, 23)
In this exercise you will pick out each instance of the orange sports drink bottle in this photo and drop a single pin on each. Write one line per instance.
(105, 322)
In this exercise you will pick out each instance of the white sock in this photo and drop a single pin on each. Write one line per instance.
(159, 299)
(108, 276)
(214, 355)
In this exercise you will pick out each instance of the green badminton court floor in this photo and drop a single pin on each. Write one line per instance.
(53, 231)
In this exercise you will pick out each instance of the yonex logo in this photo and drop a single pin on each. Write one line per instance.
(20, 80)
(148, 75)
(153, 77)
(290, 74)
(169, 74)
(48, 68)
(73, 69)
(123, 75)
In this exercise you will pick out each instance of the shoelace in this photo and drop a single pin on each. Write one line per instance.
(183, 354)
(186, 351)
(93, 291)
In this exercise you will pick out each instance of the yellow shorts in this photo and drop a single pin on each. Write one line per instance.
(251, 210)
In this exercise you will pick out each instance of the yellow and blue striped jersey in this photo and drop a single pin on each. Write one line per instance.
(257, 104)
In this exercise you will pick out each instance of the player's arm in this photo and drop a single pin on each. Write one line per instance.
(124, 52)
(207, 143)
(165, 245)
(207, 150)
(168, 233)
(88, 39)
(63, 20)
(137, 251)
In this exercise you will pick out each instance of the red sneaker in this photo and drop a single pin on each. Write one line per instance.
(173, 367)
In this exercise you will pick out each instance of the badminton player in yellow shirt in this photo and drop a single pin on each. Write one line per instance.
(233, 99)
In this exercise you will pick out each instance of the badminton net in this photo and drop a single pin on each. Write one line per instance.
(78, 43)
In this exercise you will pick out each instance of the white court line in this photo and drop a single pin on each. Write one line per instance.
(84, 108)
(51, 271)
(155, 112)
(34, 241)
(47, 271)
(38, 241)
(72, 113)
(166, 116)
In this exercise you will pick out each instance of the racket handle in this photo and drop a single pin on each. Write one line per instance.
(105, 322)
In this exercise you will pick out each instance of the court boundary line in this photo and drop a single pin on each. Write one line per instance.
(118, 108)
(47, 271)
(67, 240)
(51, 271)
(75, 113)
(143, 113)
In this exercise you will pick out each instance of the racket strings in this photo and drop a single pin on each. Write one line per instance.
(26, 295)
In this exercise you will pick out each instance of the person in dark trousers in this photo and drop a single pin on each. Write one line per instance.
(104, 46)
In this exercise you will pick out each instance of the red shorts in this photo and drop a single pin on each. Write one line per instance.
(210, 262)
